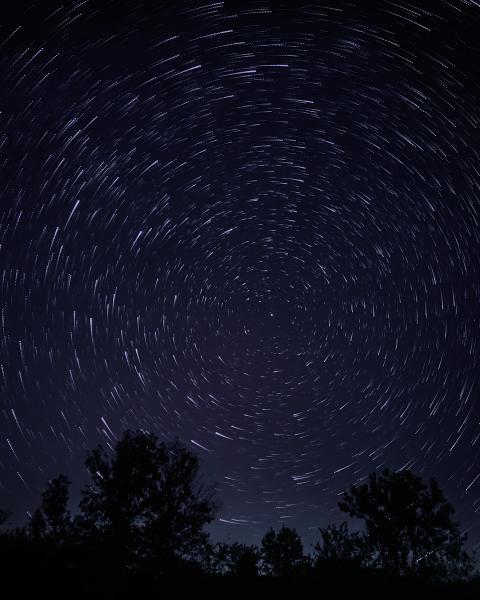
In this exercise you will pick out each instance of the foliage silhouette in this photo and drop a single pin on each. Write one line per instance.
(237, 560)
(408, 526)
(143, 519)
(282, 552)
(4, 514)
(340, 551)
(145, 504)
(52, 520)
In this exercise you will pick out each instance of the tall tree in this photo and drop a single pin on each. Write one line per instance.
(409, 525)
(146, 503)
(282, 552)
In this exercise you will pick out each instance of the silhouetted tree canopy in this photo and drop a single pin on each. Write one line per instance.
(340, 550)
(282, 552)
(52, 520)
(409, 526)
(238, 560)
(4, 514)
(144, 514)
(145, 503)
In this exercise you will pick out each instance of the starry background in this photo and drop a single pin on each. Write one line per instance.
(254, 226)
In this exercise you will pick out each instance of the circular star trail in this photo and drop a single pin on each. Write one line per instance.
(253, 226)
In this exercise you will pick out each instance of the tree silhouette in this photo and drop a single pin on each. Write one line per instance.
(144, 514)
(145, 504)
(282, 552)
(245, 562)
(4, 514)
(50, 530)
(409, 526)
(239, 560)
(52, 520)
(340, 550)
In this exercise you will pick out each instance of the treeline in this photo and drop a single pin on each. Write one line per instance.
(142, 520)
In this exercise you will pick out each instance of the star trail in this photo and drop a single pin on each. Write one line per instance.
(253, 226)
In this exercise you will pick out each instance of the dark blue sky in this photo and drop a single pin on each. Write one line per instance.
(254, 226)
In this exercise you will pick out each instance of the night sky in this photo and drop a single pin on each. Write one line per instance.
(254, 226)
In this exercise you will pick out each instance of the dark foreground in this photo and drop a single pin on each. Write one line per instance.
(45, 583)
